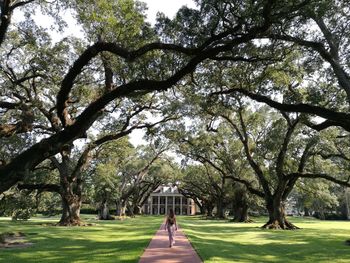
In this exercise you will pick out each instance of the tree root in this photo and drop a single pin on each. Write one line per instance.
(248, 220)
(277, 225)
(108, 217)
(75, 222)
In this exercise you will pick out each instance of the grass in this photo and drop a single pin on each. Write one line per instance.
(214, 240)
(108, 241)
(221, 241)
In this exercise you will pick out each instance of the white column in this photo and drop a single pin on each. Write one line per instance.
(347, 206)
(158, 204)
(180, 205)
(166, 205)
(174, 203)
(188, 207)
(151, 206)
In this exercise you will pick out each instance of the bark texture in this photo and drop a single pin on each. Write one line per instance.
(277, 216)
(71, 205)
(104, 213)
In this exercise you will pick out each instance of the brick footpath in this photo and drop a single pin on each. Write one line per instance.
(158, 250)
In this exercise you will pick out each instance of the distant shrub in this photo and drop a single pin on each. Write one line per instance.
(2, 238)
(330, 216)
(22, 214)
(89, 211)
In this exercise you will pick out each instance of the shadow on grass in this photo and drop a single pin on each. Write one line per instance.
(271, 252)
(217, 241)
(67, 250)
(237, 252)
(112, 241)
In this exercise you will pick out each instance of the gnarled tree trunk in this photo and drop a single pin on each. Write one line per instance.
(220, 210)
(137, 210)
(209, 208)
(240, 206)
(241, 213)
(202, 209)
(122, 208)
(277, 215)
(70, 190)
(71, 205)
(104, 211)
(130, 210)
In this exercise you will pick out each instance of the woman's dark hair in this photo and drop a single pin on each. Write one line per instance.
(171, 212)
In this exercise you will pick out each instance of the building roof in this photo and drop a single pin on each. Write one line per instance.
(166, 189)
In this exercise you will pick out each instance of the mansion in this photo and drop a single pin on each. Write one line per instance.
(166, 197)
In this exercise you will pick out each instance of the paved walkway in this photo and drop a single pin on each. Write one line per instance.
(158, 250)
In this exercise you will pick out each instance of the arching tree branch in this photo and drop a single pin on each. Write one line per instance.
(322, 176)
(40, 187)
(334, 118)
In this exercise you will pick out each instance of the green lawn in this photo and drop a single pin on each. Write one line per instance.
(220, 241)
(109, 241)
(215, 241)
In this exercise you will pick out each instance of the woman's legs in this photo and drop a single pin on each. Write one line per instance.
(171, 230)
(174, 232)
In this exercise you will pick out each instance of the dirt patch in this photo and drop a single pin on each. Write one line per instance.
(78, 225)
(13, 240)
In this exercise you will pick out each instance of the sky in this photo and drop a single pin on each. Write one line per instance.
(168, 7)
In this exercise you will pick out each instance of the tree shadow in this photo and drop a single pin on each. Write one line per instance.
(218, 242)
(276, 251)
(106, 242)
(68, 250)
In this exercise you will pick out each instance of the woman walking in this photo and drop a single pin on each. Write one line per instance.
(171, 226)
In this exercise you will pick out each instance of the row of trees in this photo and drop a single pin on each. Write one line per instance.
(123, 177)
(240, 153)
(210, 65)
(117, 175)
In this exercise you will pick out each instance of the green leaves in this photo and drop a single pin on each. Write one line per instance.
(116, 21)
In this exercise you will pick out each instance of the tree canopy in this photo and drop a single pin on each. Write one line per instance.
(205, 73)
